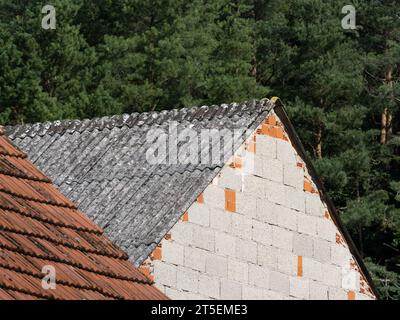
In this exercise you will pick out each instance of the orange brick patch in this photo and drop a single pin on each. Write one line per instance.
(251, 147)
(185, 217)
(200, 199)
(230, 200)
(167, 236)
(300, 165)
(308, 187)
(351, 295)
(327, 215)
(339, 239)
(156, 254)
(237, 162)
(299, 266)
(146, 271)
(271, 120)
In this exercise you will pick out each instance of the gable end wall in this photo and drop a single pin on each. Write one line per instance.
(265, 235)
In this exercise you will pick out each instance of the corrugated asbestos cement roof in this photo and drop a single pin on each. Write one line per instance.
(101, 165)
(41, 227)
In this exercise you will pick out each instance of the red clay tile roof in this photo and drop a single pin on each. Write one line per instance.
(39, 227)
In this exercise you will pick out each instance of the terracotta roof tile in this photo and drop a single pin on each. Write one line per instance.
(40, 227)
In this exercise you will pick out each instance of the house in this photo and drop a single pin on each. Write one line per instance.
(215, 202)
(51, 250)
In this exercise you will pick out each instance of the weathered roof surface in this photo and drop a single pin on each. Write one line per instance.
(101, 165)
(41, 227)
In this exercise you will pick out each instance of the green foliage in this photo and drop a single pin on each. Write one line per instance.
(112, 56)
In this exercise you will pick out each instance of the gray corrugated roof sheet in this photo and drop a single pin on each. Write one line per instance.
(101, 165)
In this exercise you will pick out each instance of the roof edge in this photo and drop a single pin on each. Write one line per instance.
(297, 144)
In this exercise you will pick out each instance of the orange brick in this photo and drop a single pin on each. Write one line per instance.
(146, 271)
(185, 217)
(167, 236)
(308, 186)
(299, 266)
(278, 132)
(156, 255)
(327, 216)
(230, 200)
(351, 295)
(252, 147)
(200, 199)
(299, 164)
(271, 120)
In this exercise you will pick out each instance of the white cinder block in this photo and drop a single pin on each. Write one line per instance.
(195, 258)
(267, 256)
(246, 250)
(293, 176)
(172, 252)
(238, 271)
(262, 232)
(318, 291)
(214, 196)
(209, 286)
(246, 204)
(187, 279)
(340, 255)
(258, 169)
(225, 244)
(266, 146)
(287, 218)
(279, 282)
(273, 295)
(217, 265)
(287, 262)
(326, 229)
(275, 192)
(322, 250)
(254, 186)
(229, 178)
(230, 290)
(165, 274)
(285, 152)
(267, 211)
(199, 214)
(174, 294)
(307, 224)
(182, 233)
(303, 245)
(259, 276)
(241, 226)
(204, 238)
(337, 294)
(295, 198)
(220, 220)
(312, 269)
(314, 205)
(273, 170)
(253, 293)
(300, 288)
(332, 275)
(282, 239)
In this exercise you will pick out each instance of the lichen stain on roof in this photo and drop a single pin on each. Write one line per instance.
(40, 227)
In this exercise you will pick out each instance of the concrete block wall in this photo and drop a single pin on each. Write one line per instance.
(263, 235)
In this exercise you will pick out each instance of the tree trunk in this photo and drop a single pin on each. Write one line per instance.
(386, 118)
(318, 148)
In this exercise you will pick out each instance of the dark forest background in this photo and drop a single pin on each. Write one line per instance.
(341, 87)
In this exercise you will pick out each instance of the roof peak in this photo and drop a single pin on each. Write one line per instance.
(138, 119)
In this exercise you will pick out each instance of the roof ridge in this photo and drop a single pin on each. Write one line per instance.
(126, 119)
